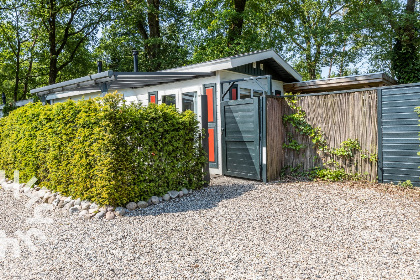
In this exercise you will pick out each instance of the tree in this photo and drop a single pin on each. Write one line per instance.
(19, 31)
(69, 25)
(402, 21)
(313, 33)
(225, 28)
(156, 28)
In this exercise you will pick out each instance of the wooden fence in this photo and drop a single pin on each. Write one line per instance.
(340, 116)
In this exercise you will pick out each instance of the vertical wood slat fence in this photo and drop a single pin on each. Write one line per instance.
(341, 116)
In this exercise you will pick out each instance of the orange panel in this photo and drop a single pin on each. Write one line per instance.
(234, 95)
(153, 99)
(211, 145)
(210, 105)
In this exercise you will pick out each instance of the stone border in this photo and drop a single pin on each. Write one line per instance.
(83, 209)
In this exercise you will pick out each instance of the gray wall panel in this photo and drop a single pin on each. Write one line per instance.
(400, 135)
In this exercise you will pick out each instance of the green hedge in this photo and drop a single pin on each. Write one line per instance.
(103, 149)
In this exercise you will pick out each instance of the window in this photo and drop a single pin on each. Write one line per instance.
(245, 93)
(153, 96)
(169, 99)
(257, 93)
(189, 101)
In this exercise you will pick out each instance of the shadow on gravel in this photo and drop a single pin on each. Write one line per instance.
(206, 198)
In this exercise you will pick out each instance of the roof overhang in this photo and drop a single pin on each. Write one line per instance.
(119, 80)
(276, 62)
(341, 83)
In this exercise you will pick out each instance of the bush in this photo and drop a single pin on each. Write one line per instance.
(103, 149)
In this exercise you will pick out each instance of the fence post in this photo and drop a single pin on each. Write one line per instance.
(205, 143)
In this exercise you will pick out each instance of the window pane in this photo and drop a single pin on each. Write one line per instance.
(245, 93)
(257, 93)
(188, 101)
(169, 99)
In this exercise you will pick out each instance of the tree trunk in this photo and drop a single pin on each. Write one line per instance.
(237, 22)
(17, 73)
(53, 71)
(153, 44)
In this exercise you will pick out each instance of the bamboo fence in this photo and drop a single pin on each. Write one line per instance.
(341, 116)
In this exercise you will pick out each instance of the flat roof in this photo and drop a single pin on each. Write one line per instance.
(341, 83)
(119, 80)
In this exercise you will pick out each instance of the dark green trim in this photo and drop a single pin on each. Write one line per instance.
(254, 152)
(155, 93)
(214, 124)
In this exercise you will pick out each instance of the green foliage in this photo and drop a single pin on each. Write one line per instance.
(7, 108)
(347, 148)
(406, 184)
(329, 174)
(103, 149)
(293, 144)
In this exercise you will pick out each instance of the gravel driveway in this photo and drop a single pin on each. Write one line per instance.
(233, 229)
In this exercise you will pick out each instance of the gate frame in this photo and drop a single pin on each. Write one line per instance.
(263, 118)
(256, 105)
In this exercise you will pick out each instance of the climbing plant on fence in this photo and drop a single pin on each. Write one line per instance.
(334, 159)
(103, 149)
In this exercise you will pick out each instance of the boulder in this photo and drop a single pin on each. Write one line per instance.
(173, 194)
(100, 215)
(110, 215)
(155, 200)
(120, 211)
(131, 206)
(74, 210)
(142, 204)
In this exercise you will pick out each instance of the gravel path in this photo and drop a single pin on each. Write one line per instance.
(232, 230)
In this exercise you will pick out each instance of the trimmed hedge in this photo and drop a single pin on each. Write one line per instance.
(103, 149)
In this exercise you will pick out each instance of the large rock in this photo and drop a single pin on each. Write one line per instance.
(85, 205)
(131, 206)
(77, 202)
(74, 210)
(166, 197)
(61, 204)
(181, 194)
(100, 215)
(120, 211)
(173, 194)
(142, 204)
(185, 191)
(110, 215)
(155, 200)
(71, 203)
(67, 207)
(94, 206)
(56, 202)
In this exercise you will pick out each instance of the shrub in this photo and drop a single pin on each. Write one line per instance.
(103, 149)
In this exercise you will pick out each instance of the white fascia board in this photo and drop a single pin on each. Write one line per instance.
(107, 75)
(69, 94)
(208, 67)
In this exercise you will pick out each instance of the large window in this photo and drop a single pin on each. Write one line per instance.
(189, 101)
(169, 99)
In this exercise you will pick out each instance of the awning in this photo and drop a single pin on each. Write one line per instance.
(119, 80)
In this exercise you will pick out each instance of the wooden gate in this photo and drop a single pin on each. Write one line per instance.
(241, 138)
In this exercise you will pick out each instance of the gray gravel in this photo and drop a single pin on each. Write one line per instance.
(233, 229)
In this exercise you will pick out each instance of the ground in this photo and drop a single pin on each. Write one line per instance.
(234, 229)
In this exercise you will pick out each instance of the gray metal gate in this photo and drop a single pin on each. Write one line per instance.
(241, 138)
(398, 128)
